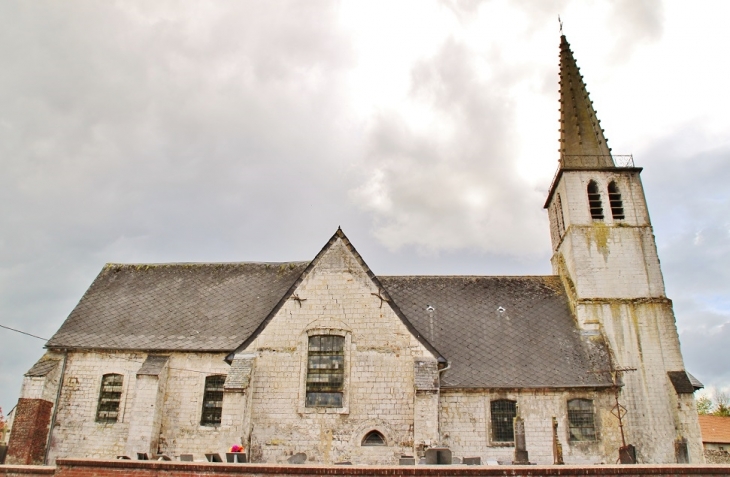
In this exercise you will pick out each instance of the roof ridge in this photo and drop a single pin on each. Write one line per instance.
(171, 264)
(469, 276)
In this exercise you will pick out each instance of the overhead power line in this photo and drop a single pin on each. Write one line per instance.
(107, 353)
(23, 332)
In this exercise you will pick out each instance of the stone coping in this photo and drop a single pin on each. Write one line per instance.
(127, 466)
(27, 469)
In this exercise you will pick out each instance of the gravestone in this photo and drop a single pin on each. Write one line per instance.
(521, 457)
(557, 446)
(438, 456)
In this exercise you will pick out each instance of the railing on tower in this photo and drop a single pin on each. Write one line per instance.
(590, 161)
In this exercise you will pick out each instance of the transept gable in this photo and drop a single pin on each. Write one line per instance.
(319, 294)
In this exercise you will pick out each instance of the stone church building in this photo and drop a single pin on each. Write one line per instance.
(326, 362)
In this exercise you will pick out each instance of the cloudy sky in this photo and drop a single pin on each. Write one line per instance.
(137, 131)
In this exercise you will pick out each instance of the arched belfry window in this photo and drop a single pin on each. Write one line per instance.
(594, 201)
(373, 438)
(614, 198)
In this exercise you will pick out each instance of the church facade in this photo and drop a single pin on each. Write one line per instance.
(325, 362)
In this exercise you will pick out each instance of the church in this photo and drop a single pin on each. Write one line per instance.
(324, 362)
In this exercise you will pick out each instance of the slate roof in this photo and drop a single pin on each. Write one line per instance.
(533, 342)
(153, 365)
(193, 307)
(42, 367)
(501, 332)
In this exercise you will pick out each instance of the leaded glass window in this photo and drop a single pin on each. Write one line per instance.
(580, 420)
(109, 398)
(213, 400)
(504, 412)
(325, 371)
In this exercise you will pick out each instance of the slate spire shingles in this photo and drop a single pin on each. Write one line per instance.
(582, 142)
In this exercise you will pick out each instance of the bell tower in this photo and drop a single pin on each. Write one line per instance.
(605, 253)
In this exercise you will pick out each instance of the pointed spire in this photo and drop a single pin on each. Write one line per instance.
(582, 143)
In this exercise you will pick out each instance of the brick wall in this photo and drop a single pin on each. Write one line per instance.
(30, 432)
(89, 468)
(26, 471)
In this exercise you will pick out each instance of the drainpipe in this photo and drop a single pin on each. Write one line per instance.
(55, 407)
(438, 400)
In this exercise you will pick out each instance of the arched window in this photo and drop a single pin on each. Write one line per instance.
(504, 412)
(325, 371)
(110, 396)
(213, 400)
(614, 198)
(580, 420)
(373, 438)
(594, 201)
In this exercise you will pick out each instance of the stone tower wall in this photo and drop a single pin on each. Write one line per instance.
(611, 269)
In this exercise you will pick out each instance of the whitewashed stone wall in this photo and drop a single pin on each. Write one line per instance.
(176, 412)
(466, 426)
(611, 270)
(146, 416)
(76, 432)
(338, 297)
(43, 387)
(643, 336)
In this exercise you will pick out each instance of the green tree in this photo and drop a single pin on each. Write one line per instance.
(704, 405)
(722, 407)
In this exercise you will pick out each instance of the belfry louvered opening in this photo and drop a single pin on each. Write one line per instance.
(594, 201)
(213, 400)
(325, 371)
(614, 198)
(110, 396)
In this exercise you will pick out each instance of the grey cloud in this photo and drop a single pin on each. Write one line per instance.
(635, 22)
(452, 185)
(706, 354)
(690, 207)
(140, 131)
